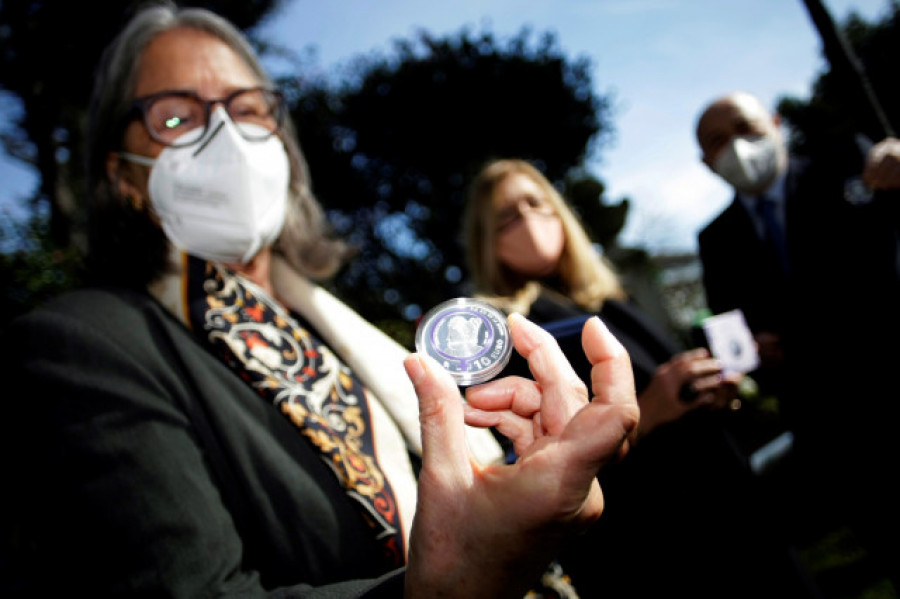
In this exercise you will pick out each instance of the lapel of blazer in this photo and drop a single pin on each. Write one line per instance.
(740, 227)
(791, 197)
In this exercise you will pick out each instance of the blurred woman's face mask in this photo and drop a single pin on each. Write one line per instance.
(533, 245)
(748, 163)
(223, 198)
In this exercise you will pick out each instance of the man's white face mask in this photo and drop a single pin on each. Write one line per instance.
(223, 198)
(749, 163)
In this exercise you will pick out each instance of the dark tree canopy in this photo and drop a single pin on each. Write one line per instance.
(48, 52)
(392, 152)
(837, 112)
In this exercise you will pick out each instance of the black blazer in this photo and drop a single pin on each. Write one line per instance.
(840, 304)
(739, 270)
(843, 258)
(647, 343)
(138, 464)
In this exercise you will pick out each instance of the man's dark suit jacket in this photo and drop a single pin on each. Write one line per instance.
(842, 295)
(839, 315)
(740, 271)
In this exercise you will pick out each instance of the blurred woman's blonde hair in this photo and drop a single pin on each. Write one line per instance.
(584, 274)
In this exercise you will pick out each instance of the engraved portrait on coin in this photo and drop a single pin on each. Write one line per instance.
(468, 337)
(461, 339)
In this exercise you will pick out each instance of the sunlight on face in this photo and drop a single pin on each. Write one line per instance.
(530, 237)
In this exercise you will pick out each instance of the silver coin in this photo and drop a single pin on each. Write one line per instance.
(468, 337)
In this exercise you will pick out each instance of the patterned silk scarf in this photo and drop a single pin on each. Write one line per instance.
(279, 357)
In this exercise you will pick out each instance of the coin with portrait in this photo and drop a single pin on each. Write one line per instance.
(468, 337)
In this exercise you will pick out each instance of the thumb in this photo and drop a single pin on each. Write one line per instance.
(444, 447)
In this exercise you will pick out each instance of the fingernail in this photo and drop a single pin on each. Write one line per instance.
(603, 328)
(602, 324)
(415, 370)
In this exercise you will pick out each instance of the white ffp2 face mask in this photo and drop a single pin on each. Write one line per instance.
(749, 164)
(223, 198)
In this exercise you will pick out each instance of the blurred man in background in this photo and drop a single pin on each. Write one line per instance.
(810, 255)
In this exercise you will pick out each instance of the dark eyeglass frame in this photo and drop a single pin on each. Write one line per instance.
(140, 109)
(515, 211)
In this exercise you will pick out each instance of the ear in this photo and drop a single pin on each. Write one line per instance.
(122, 179)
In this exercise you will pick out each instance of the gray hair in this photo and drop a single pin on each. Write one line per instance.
(125, 246)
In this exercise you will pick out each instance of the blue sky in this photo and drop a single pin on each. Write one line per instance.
(661, 60)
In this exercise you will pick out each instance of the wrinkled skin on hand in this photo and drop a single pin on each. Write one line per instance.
(492, 531)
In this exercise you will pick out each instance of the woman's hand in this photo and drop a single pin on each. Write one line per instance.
(689, 381)
(491, 532)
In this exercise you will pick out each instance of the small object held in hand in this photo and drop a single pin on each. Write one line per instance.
(731, 342)
(468, 337)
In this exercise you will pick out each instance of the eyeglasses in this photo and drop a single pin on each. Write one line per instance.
(513, 211)
(181, 118)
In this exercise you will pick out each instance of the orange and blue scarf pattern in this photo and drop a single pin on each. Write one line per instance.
(287, 365)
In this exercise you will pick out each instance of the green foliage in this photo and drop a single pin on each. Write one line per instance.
(36, 271)
(839, 562)
(603, 222)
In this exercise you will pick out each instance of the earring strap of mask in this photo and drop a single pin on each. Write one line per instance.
(138, 159)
